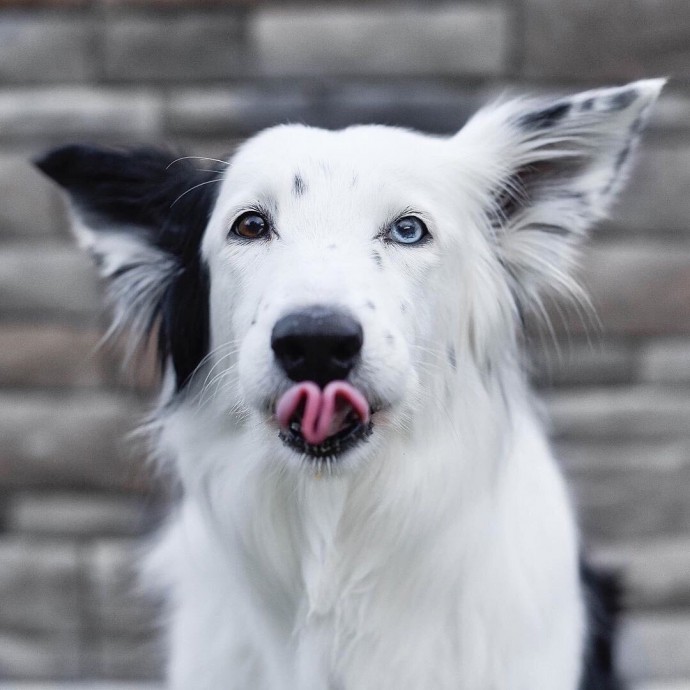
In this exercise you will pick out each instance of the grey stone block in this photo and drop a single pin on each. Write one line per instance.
(65, 113)
(655, 647)
(654, 573)
(617, 39)
(581, 363)
(671, 113)
(38, 657)
(50, 355)
(70, 441)
(45, 47)
(47, 280)
(629, 491)
(665, 361)
(236, 111)
(39, 586)
(422, 105)
(637, 288)
(116, 602)
(76, 514)
(114, 685)
(656, 198)
(469, 39)
(244, 110)
(620, 413)
(174, 45)
(128, 658)
(30, 207)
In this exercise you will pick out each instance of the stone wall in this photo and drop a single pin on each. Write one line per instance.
(201, 76)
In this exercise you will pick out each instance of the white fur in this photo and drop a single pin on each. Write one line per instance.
(442, 554)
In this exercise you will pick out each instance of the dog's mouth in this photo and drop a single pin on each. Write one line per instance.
(323, 423)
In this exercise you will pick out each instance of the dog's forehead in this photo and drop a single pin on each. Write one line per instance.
(284, 156)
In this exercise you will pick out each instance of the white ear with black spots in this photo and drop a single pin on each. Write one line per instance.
(549, 170)
(141, 215)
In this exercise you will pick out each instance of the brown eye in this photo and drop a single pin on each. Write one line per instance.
(250, 226)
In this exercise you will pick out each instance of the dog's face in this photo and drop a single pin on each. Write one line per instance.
(325, 264)
(327, 286)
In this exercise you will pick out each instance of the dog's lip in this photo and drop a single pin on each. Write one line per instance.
(331, 448)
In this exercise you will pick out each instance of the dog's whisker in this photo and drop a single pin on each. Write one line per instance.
(191, 189)
(199, 158)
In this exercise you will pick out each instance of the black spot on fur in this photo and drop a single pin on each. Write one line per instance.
(371, 305)
(389, 338)
(166, 203)
(452, 358)
(298, 186)
(602, 595)
(548, 117)
(622, 100)
(575, 196)
(378, 259)
(553, 229)
(332, 246)
(403, 308)
(587, 104)
(637, 125)
(97, 258)
(622, 157)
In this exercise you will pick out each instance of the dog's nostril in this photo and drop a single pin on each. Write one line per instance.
(291, 352)
(345, 351)
(319, 344)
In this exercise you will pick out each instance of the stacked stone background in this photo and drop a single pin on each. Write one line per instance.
(76, 500)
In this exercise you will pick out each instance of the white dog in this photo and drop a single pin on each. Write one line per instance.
(370, 501)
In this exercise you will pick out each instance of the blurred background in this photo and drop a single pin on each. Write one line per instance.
(75, 497)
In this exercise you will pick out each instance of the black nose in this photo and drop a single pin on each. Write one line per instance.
(319, 344)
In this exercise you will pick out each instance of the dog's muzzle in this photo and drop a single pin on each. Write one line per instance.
(322, 415)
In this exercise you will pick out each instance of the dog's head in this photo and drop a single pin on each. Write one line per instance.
(326, 286)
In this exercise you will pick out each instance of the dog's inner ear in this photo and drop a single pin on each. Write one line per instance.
(555, 169)
(141, 214)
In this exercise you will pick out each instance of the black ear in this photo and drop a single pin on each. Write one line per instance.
(141, 214)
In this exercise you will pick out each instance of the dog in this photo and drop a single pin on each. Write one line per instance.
(369, 499)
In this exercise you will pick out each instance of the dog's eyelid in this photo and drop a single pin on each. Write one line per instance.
(245, 211)
(413, 217)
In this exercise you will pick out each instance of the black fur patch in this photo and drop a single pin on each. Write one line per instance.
(378, 259)
(165, 203)
(298, 186)
(602, 595)
(551, 229)
(622, 157)
(622, 100)
(548, 117)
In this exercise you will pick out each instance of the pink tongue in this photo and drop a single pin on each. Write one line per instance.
(324, 410)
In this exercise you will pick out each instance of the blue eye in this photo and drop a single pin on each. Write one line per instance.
(407, 230)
